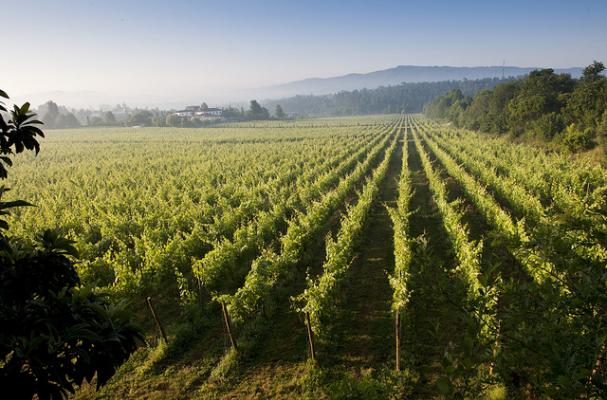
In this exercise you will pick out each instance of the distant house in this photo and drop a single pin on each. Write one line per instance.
(199, 112)
(217, 112)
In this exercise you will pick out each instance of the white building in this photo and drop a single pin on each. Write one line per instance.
(199, 112)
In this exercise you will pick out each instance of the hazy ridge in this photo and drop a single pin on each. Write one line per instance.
(395, 76)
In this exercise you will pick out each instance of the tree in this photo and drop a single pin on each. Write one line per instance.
(586, 104)
(412, 96)
(231, 113)
(140, 118)
(54, 333)
(95, 121)
(543, 105)
(67, 120)
(109, 118)
(257, 112)
(594, 70)
(279, 112)
(204, 107)
(173, 120)
(542, 92)
(602, 132)
(51, 115)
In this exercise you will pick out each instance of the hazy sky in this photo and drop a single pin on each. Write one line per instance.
(178, 49)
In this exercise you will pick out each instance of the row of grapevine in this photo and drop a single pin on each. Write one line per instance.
(318, 299)
(514, 233)
(232, 209)
(550, 333)
(573, 188)
(143, 204)
(402, 241)
(270, 268)
(551, 232)
(468, 252)
(230, 258)
(522, 202)
(480, 295)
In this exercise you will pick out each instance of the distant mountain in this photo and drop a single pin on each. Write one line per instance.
(394, 76)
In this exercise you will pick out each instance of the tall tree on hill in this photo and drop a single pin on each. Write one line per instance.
(279, 112)
(537, 106)
(109, 118)
(586, 104)
(257, 112)
(51, 115)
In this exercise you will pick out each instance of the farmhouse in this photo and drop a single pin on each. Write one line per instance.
(200, 112)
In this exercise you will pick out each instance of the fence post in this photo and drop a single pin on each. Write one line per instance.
(228, 325)
(310, 337)
(200, 293)
(158, 323)
(397, 336)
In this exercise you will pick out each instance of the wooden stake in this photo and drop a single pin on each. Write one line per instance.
(310, 337)
(494, 351)
(158, 323)
(397, 336)
(597, 364)
(228, 325)
(200, 293)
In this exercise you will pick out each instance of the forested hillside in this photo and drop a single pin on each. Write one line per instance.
(410, 97)
(545, 106)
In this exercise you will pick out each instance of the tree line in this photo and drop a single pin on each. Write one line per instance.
(543, 106)
(410, 97)
(59, 117)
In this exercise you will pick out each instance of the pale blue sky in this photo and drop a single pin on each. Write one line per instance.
(177, 49)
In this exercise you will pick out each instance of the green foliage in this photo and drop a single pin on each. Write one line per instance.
(409, 97)
(399, 280)
(55, 334)
(232, 211)
(257, 112)
(174, 120)
(547, 126)
(140, 118)
(542, 92)
(222, 268)
(279, 112)
(588, 101)
(558, 351)
(271, 268)
(56, 118)
(338, 383)
(539, 106)
(577, 139)
(319, 298)
(17, 133)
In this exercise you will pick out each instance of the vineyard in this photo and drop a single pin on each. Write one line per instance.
(369, 257)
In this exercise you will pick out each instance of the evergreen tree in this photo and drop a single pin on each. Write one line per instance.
(109, 118)
(279, 112)
(257, 112)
